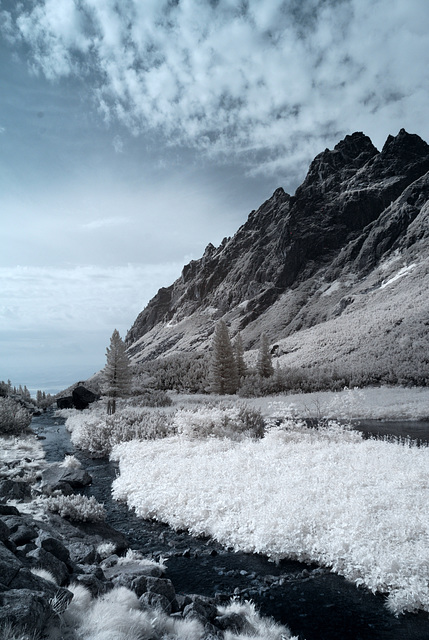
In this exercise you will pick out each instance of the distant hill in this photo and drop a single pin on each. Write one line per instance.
(336, 275)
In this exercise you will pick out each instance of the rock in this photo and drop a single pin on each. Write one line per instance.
(94, 585)
(65, 403)
(24, 610)
(233, 622)
(56, 476)
(22, 529)
(4, 531)
(8, 510)
(82, 553)
(201, 608)
(83, 397)
(156, 601)
(54, 546)
(9, 565)
(14, 490)
(49, 562)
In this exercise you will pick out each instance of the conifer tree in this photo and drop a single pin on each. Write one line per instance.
(117, 372)
(239, 357)
(223, 369)
(265, 365)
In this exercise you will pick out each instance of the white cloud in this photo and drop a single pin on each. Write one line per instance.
(78, 298)
(105, 222)
(272, 83)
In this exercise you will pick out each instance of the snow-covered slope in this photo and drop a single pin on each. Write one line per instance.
(337, 273)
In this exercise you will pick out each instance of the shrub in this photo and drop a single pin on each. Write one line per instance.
(98, 433)
(14, 418)
(76, 507)
(233, 421)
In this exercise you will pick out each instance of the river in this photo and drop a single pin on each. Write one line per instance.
(314, 603)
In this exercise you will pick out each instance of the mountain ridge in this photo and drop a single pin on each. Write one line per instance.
(356, 209)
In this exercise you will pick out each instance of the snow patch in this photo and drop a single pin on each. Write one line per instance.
(402, 272)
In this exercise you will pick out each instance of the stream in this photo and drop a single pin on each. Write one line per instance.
(314, 603)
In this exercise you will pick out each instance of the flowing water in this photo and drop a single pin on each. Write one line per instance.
(314, 603)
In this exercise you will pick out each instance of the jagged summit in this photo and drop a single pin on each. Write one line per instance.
(356, 209)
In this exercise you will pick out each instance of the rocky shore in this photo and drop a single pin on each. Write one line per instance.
(47, 562)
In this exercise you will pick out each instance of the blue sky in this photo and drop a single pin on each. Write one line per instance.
(132, 137)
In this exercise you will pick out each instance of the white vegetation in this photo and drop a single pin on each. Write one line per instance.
(327, 496)
(118, 615)
(14, 418)
(77, 508)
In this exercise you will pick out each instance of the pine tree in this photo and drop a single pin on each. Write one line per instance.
(239, 357)
(117, 372)
(265, 365)
(223, 369)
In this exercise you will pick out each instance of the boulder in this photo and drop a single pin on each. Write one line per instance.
(45, 560)
(14, 490)
(9, 565)
(57, 475)
(54, 546)
(65, 403)
(83, 397)
(24, 610)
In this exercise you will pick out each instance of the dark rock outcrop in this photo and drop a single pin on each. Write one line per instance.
(80, 399)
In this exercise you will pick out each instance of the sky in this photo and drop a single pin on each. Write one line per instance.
(132, 134)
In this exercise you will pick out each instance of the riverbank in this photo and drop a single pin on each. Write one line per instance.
(60, 578)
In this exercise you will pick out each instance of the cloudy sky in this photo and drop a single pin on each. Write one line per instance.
(134, 133)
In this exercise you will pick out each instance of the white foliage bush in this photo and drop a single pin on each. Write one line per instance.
(14, 418)
(117, 615)
(319, 495)
(98, 433)
(77, 508)
(233, 421)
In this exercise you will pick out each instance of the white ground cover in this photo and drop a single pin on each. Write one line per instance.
(359, 507)
(382, 403)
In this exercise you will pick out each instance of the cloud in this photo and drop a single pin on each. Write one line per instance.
(78, 298)
(105, 222)
(270, 83)
(2, 130)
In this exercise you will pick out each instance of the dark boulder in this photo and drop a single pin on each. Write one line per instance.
(57, 475)
(45, 560)
(83, 397)
(24, 609)
(14, 490)
(65, 403)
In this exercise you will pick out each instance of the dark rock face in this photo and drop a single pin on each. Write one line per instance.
(355, 206)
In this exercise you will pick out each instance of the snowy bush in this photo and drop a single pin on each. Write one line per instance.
(76, 508)
(233, 421)
(118, 615)
(14, 419)
(151, 398)
(98, 433)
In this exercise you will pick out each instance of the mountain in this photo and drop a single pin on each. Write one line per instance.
(336, 275)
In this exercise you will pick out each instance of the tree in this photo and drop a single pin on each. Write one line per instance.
(239, 357)
(223, 367)
(117, 372)
(265, 365)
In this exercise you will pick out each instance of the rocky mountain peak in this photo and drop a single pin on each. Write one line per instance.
(355, 207)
